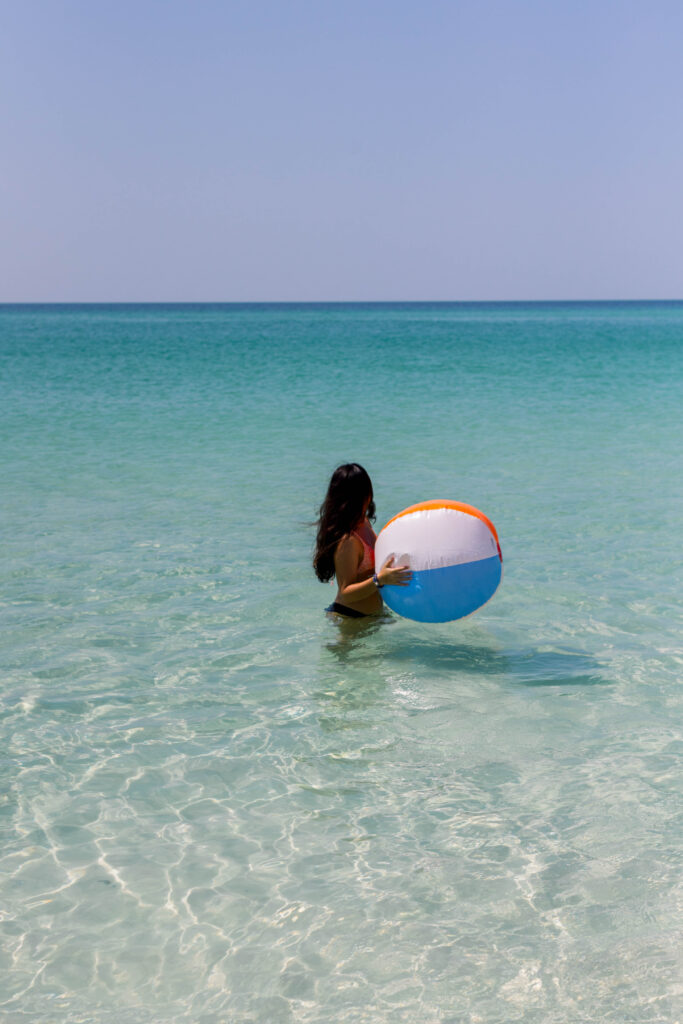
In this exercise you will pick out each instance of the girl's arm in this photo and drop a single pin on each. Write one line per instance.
(347, 559)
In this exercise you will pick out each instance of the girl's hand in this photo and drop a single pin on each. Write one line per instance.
(391, 575)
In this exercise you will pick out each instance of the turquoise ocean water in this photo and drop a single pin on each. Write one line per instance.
(216, 806)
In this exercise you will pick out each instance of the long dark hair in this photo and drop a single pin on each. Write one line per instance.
(341, 511)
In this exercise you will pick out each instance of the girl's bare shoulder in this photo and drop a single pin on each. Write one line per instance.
(349, 551)
(349, 542)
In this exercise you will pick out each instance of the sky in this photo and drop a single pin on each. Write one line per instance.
(304, 150)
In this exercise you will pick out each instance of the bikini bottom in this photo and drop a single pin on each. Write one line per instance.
(341, 609)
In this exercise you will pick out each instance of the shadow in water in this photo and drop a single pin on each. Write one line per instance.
(370, 644)
(523, 666)
(556, 668)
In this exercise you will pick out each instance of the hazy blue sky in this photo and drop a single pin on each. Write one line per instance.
(296, 150)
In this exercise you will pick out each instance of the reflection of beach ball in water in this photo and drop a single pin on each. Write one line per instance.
(455, 556)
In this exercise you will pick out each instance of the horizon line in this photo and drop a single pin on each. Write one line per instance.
(317, 302)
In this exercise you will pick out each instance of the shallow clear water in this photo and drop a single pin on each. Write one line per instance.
(217, 806)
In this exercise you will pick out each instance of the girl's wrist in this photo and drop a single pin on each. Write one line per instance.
(375, 580)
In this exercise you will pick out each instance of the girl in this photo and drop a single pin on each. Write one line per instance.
(345, 546)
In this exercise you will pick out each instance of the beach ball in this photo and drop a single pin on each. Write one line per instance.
(453, 551)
